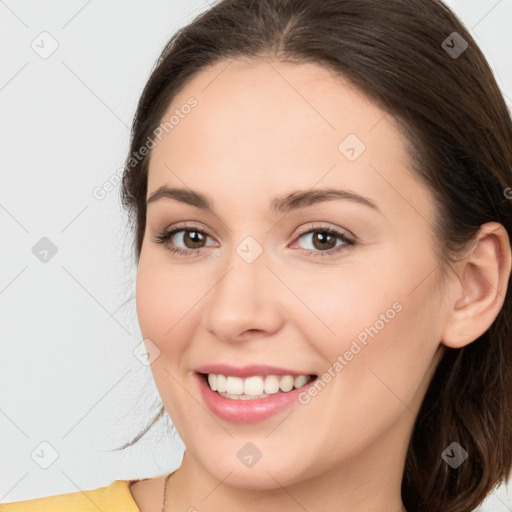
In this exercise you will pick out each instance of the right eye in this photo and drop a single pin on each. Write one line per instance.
(188, 235)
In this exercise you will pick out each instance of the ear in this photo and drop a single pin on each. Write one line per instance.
(483, 277)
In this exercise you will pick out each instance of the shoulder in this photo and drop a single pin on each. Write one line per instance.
(115, 497)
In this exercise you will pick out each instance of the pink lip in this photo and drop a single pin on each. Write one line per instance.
(247, 411)
(247, 371)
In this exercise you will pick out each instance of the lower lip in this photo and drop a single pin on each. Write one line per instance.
(247, 411)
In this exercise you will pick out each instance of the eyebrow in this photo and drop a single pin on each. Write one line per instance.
(282, 204)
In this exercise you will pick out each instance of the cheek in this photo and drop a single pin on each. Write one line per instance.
(164, 302)
(149, 301)
(391, 370)
(165, 313)
(342, 306)
(383, 324)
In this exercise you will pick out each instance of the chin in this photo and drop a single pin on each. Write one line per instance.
(260, 477)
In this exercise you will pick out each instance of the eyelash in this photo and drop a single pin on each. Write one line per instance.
(166, 235)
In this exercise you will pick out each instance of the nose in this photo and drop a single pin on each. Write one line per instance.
(245, 301)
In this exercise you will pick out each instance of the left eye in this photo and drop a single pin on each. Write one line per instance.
(323, 241)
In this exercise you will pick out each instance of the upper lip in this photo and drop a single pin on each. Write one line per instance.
(247, 371)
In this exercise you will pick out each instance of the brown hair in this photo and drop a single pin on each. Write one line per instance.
(459, 133)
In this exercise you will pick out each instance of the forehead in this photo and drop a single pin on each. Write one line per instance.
(268, 125)
(286, 106)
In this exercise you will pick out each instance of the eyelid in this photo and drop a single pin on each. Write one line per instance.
(186, 226)
(314, 226)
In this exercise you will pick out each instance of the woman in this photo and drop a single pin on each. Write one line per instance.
(321, 197)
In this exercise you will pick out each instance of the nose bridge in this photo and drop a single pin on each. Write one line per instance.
(243, 298)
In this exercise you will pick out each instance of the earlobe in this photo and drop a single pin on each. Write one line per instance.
(483, 277)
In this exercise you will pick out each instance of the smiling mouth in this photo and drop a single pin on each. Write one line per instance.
(254, 387)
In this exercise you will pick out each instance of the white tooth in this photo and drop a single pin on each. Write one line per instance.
(286, 383)
(299, 381)
(221, 383)
(212, 380)
(271, 384)
(234, 385)
(253, 386)
(243, 397)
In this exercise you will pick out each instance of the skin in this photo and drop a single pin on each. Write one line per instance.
(262, 129)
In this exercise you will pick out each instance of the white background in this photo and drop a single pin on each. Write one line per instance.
(67, 372)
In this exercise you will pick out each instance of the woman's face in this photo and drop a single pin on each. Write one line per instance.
(260, 281)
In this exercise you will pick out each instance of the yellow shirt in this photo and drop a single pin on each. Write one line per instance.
(115, 497)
